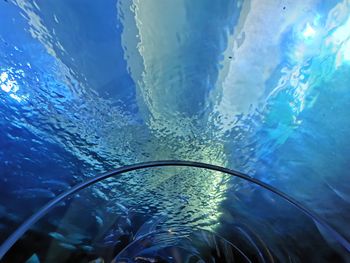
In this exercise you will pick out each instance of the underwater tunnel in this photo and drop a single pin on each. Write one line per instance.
(174, 131)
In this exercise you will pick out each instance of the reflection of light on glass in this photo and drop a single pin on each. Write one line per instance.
(5, 84)
(3, 76)
(309, 32)
(9, 85)
(342, 33)
(341, 38)
(308, 39)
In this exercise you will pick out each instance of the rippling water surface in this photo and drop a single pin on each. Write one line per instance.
(258, 86)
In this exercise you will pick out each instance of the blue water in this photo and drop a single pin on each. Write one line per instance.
(257, 86)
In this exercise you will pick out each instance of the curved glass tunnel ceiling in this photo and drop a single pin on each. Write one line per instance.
(261, 87)
(120, 237)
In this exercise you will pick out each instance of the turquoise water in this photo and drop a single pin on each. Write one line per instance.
(257, 86)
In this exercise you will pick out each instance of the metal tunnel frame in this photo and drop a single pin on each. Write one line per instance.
(22, 229)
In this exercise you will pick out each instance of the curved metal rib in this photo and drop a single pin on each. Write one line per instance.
(16, 235)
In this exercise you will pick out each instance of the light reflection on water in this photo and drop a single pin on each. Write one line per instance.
(258, 87)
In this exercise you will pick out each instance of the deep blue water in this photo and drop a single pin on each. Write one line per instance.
(257, 86)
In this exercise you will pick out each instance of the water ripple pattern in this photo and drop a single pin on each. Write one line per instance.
(257, 86)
